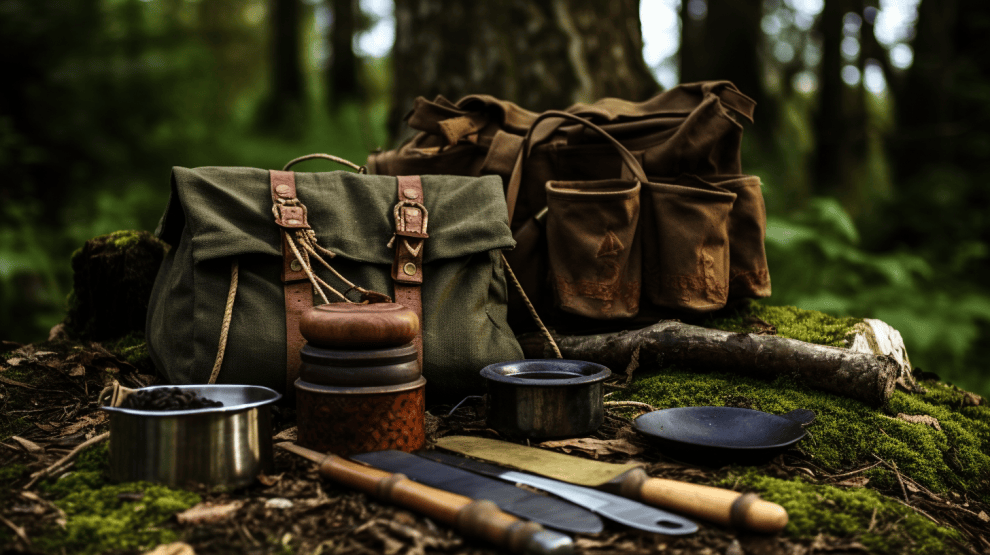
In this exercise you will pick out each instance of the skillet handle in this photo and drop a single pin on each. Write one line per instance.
(722, 506)
(803, 417)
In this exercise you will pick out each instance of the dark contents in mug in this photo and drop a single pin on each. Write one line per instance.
(167, 398)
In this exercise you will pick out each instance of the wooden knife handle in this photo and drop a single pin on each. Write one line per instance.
(482, 519)
(722, 506)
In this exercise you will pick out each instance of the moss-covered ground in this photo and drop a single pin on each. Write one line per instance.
(847, 435)
(102, 517)
(876, 522)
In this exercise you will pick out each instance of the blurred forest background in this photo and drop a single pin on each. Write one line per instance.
(872, 131)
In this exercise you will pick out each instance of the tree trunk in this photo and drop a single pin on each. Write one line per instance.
(726, 44)
(541, 54)
(926, 116)
(840, 139)
(282, 109)
(862, 376)
(342, 71)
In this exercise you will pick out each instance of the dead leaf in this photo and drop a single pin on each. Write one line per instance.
(84, 422)
(920, 419)
(971, 400)
(269, 481)
(595, 447)
(177, 548)
(28, 445)
(78, 370)
(983, 516)
(288, 434)
(854, 482)
(208, 513)
(40, 354)
(15, 361)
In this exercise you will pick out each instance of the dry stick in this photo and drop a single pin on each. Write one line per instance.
(854, 472)
(899, 480)
(61, 462)
(636, 404)
(21, 533)
(916, 509)
(9, 381)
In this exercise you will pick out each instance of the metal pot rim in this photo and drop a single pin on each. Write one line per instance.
(515, 372)
(262, 396)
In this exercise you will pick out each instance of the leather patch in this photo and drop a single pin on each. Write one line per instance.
(289, 212)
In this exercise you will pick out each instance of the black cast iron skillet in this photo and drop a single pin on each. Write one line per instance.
(715, 436)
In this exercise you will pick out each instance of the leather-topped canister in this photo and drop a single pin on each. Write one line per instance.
(360, 386)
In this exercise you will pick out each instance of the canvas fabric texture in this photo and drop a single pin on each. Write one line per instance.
(623, 212)
(218, 214)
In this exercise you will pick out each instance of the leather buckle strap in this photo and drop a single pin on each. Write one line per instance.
(411, 220)
(290, 214)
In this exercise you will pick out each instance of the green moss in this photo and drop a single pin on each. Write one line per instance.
(805, 325)
(847, 513)
(103, 517)
(117, 517)
(847, 433)
(133, 349)
(124, 239)
(11, 473)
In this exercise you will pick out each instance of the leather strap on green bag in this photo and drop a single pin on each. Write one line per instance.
(411, 220)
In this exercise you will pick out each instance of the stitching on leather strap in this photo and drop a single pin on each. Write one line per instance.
(411, 219)
(297, 290)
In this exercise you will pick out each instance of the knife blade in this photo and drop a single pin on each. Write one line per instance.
(548, 511)
(613, 507)
(726, 507)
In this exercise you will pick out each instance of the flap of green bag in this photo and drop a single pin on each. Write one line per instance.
(229, 212)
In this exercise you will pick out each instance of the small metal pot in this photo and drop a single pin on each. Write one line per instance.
(224, 446)
(542, 399)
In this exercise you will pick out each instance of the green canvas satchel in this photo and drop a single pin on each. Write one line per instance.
(245, 250)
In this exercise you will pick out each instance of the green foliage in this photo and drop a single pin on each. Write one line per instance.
(104, 517)
(816, 263)
(848, 433)
(847, 513)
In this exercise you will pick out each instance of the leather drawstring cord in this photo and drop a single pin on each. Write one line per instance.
(532, 309)
(228, 313)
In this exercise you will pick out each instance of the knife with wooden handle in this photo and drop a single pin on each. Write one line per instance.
(481, 519)
(722, 506)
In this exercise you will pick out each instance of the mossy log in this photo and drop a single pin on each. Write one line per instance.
(866, 377)
(112, 279)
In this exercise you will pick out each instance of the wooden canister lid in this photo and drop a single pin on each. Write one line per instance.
(354, 326)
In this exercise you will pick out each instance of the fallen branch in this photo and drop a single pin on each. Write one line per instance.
(865, 377)
(44, 473)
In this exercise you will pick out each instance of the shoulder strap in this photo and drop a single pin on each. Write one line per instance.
(537, 133)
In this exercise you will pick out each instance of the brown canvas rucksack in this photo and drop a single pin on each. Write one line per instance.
(622, 211)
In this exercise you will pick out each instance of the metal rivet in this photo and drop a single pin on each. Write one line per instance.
(282, 189)
(293, 221)
(295, 265)
(410, 193)
(409, 269)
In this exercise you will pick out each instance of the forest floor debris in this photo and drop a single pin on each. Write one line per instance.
(49, 403)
